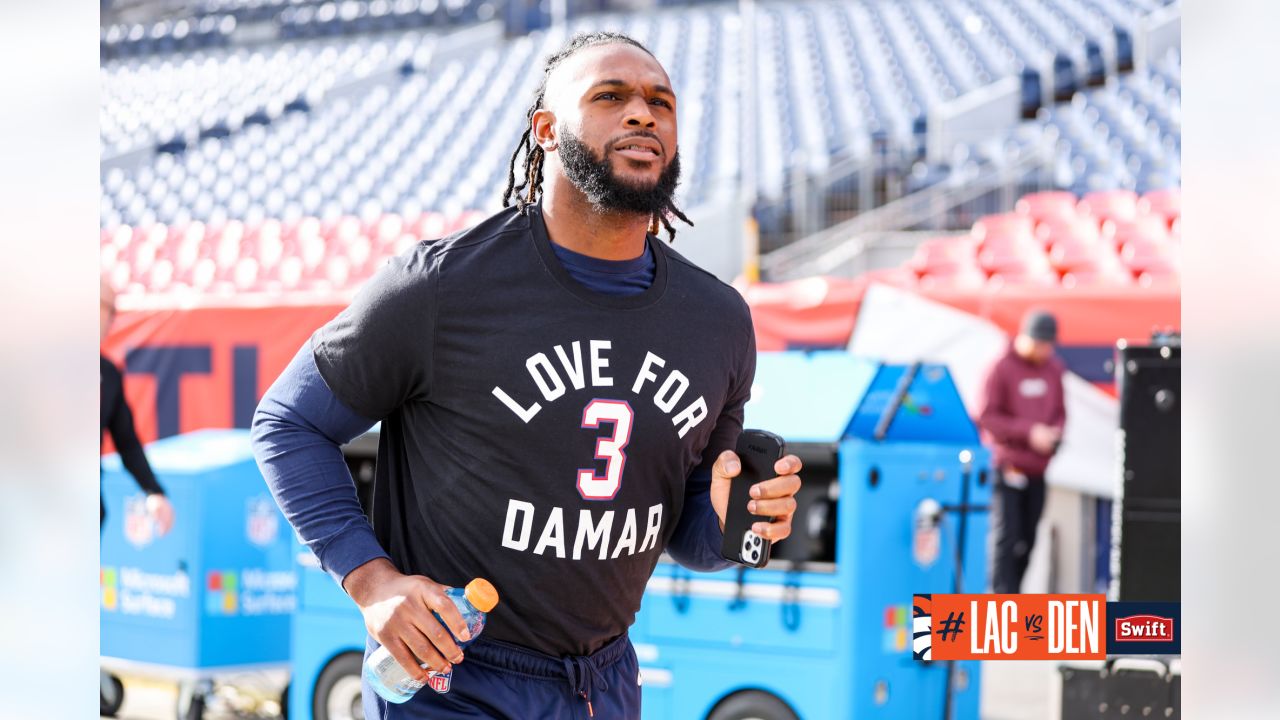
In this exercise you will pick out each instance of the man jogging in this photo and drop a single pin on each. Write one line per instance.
(558, 391)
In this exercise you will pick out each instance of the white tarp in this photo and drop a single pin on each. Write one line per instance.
(899, 326)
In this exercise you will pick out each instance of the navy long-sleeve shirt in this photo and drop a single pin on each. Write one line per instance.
(300, 426)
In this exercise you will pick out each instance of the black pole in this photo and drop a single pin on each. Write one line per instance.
(958, 584)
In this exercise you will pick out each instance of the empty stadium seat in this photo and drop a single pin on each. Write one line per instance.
(1076, 228)
(943, 255)
(1166, 203)
(1048, 205)
(1003, 226)
(1110, 205)
(1140, 228)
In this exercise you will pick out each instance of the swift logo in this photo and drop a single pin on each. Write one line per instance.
(1144, 628)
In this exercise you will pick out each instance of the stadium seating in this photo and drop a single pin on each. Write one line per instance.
(172, 101)
(903, 58)
(214, 22)
(248, 136)
(165, 36)
(1053, 240)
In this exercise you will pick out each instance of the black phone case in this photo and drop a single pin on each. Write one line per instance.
(758, 450)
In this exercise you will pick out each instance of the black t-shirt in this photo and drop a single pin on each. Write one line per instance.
(537, 433)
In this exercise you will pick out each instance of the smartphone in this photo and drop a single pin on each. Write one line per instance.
(758, 450)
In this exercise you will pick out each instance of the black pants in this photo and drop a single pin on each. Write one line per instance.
(1015, 513)
(500, 681)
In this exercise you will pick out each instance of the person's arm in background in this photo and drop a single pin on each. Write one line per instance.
(297, 433)
(993, 415)
(125, 437)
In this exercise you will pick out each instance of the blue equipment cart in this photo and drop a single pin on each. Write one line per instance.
(216, 595)
(825, 630)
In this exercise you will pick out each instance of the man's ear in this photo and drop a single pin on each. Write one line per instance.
(544, 130)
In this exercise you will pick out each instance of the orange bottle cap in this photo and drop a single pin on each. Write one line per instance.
(481, 594)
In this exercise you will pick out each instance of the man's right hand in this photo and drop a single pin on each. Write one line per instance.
(397, 611)
(1044, 439)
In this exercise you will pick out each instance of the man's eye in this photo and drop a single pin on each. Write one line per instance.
(607, 96)
(660, 101)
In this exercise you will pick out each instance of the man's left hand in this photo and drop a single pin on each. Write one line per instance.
(161, 512)
(775, 497)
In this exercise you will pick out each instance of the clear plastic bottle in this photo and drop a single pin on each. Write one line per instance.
(392, 681)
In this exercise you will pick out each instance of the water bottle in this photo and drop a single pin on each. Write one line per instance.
(392, 681)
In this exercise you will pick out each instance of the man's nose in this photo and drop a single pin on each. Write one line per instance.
(638, 115)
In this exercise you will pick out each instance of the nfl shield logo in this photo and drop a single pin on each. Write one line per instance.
(261, 524)
(926, 535)
(440, 682)
(138, 529)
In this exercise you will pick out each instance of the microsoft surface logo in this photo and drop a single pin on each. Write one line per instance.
(108, 582)
(220, 597)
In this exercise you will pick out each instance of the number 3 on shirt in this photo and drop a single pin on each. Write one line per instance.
(610, 449)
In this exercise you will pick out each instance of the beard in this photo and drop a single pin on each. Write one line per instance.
(594, 177)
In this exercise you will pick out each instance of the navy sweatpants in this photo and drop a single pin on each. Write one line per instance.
(508, 682)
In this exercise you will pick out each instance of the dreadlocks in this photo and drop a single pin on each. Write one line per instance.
(531, 180)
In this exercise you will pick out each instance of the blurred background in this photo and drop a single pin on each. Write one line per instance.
(887, 182)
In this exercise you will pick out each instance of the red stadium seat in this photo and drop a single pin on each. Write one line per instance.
(121, 274)
(245, 274)
(308, 229)
(940, 254)
(1166, 203)
(108, 256)
(405, 242)
(1068, 255)
(160, 277)
(387, 229)
(346, 229)
(465, 219)
(359, 253)
(1142, 228)
(1141, 257)
(1110, 205)
(1075, 228)
(290, 272)
(1003, 226)
(141, 258)
(897, 277)
(1159, 277)
(1011, 255)
(312, 253)
(270, 250)
(337, 271)
(429, 226)
(1037, 277)
(964, 277)
(122, 236)
(204, 274)
(1049, 205)
(228, 250)
(1096, 276)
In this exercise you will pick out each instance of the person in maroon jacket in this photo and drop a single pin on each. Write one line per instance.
(1022, 414)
